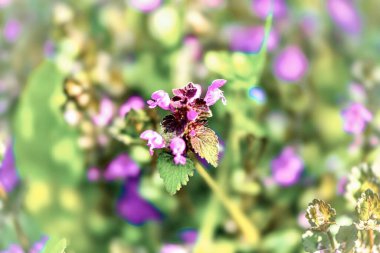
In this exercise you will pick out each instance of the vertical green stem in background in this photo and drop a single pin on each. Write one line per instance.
(370, 239)
(251, 234)
(331, 239)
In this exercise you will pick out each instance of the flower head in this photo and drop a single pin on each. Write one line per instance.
(161, 99)
(345, 15)
(133, 103)
(355, 118)
(105, 114)
(186, 127)
(12, 30)
(93, 174)
(287, 167)
(155, 140)
(262, 8)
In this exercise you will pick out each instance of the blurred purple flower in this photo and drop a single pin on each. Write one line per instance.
(341, 187)
(8, 174)
(12, 30)
(133, 103)
(49, 48)
(121, 167)
(132, 207)
(189, 236)
(106, 111)
(155, 140)
(290, 65)
(161, 99)
(13, 248)
(39, 245)
(355, 118)
(4, 3)
(287, 167)
(145, 5)
(357, 92)
(262, 8)
(345, 15)
(250, 39)
(93, 174)
(173, 248)
(195, 47)
(214, 93)
(178, 146)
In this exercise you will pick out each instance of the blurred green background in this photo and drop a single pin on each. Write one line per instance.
(291, 71)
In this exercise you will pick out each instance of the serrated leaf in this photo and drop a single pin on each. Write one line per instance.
(313, 241)
(320, 215)
(55, 245)
(174, 176)
(206, 144)
(346, 237)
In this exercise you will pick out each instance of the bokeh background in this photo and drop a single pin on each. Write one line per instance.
(302, 109)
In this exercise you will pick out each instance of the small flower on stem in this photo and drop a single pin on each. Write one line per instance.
(214, 93)
(178, 146)
(155, 140)
(355, 117)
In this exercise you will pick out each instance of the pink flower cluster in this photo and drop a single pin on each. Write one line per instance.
(355, 118)
(188, 111)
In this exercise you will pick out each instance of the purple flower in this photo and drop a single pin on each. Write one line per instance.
(145, 5)
(121, 167)
(173, 248)
(250, 39)
(287, 167)
(178, 146)
(291, 64)
(345, 15)
(13, 248)
(214, 93)
(133, 103)
(8, 174)
(39, 245)
(12, 30)
(341, 187)
(355, 118)
(132, 207)
(49, 48)
(189, 236)
(93, 174)
(262, 8)
(192, 115)
(160, 98)
(106, 112)
(155, 140)
(4, 3)
(190, 93)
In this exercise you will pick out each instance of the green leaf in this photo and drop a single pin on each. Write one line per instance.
(368, 206)
(346, 237)
(313, 241)
(174, 176)
(45, 146)
(206, 144)
(55, 245)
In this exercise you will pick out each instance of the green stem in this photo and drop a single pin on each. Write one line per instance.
(331, 239)
(370, 239)
(250, 232)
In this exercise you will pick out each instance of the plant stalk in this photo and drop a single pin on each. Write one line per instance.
(370, 239)
(331, 239)
(251, 234)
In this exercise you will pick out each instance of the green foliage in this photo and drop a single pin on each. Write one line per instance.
(346, 237)
(55, 245)
(45, 146)
(313, 241)
(206, 144)
(174, 176)
(368, 206)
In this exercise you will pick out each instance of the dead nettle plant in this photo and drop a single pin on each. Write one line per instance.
(362, 235)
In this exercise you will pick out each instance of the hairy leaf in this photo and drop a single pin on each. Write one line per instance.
(320, 215)
(346, 237)
(205, 143)
(314, 241)
(368, 206)
(174, 176)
